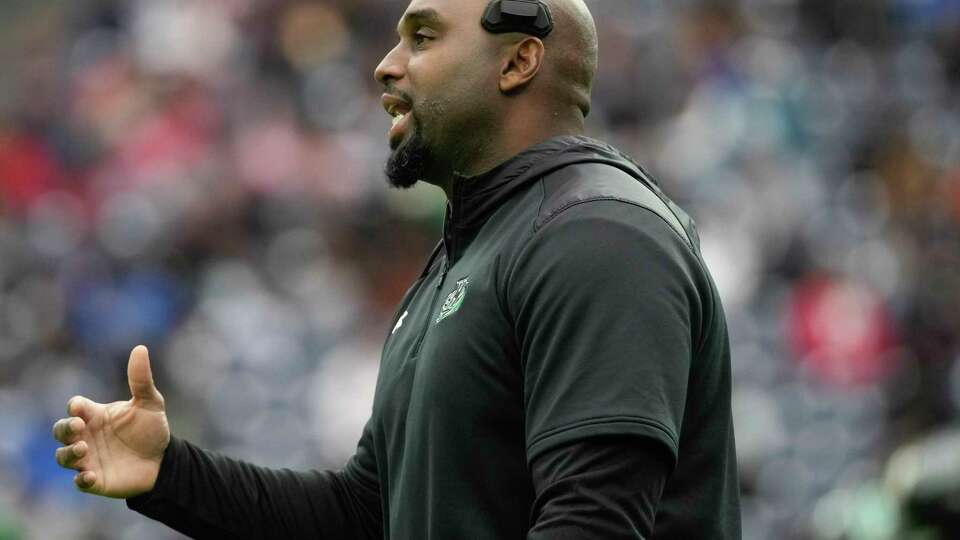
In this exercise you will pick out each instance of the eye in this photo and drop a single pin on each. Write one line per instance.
(420, 38)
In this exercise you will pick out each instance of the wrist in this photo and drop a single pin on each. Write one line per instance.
(160, 472)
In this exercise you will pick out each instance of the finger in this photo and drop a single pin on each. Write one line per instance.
(67, 430)
(85, 480)
(60, 429)
(69, 456)
(140, 378)
(80, 406)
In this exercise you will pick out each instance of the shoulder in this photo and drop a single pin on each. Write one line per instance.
(597, 216)
(613, 237)
(586, 189)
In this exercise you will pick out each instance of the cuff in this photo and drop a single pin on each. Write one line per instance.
(623, 425)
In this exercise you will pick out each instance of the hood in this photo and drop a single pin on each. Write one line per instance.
(475, 198)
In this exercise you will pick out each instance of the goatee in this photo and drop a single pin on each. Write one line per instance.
(407, 164)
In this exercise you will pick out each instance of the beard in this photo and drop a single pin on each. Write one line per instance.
(407, 165)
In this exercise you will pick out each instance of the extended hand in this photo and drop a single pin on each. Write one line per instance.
(116, 447)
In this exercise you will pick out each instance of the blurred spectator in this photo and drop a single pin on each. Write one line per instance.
(205, 178)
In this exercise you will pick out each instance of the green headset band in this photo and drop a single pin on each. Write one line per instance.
(526, 16)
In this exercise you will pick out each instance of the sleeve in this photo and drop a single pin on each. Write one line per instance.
(605, 306)
(205, 495)
(600, 488)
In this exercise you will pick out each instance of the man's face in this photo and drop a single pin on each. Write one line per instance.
(437, 82)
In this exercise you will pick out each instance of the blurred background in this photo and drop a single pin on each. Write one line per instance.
(205, 177)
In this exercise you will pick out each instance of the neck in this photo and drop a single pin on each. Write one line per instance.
(512, 138)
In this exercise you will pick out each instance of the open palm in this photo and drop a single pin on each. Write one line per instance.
(116, 447)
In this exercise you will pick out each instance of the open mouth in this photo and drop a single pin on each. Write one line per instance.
(399, 128)
(400, 110)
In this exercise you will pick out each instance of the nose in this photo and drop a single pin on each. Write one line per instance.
(391, 67)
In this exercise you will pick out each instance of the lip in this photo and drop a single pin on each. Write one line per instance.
(395, 105)
(397, 131)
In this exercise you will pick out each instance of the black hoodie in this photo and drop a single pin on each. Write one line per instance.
(560, 369)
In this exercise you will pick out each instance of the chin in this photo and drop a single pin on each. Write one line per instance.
(407, 162)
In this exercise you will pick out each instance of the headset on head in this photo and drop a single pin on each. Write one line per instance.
(526, 16)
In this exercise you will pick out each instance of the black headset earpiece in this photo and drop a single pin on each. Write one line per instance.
(526, 16)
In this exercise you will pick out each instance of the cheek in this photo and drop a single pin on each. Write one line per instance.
(451, 71)
(453, 87)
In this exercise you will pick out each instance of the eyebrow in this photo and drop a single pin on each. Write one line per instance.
(425, 15)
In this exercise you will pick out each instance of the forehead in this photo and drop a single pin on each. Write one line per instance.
(450, 12)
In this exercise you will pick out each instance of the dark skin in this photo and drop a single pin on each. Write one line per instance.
(477, 98)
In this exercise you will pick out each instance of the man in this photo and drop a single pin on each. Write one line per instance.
(559, 370)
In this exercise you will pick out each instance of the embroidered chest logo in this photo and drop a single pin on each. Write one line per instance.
(454, 300)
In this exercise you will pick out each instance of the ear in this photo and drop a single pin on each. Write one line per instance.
(521, 64)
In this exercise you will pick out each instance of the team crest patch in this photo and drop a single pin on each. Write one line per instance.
(454, 300)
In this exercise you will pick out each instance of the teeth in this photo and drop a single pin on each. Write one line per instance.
(397, 118)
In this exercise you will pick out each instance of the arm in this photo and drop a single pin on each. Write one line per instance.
(604, 488)
(124, 450)
(607, 314)
(206, 495)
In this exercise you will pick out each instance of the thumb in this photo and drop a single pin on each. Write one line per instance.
(140, 379)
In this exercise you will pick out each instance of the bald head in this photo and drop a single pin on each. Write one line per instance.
(565, 75)
(571, 59)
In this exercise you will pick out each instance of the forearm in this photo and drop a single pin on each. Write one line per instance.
(206, 495)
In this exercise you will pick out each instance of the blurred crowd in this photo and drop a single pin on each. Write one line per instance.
(205, 177)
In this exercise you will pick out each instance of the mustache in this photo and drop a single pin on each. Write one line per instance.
(391, 89)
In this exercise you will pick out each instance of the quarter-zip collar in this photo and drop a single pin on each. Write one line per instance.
(473, 199)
